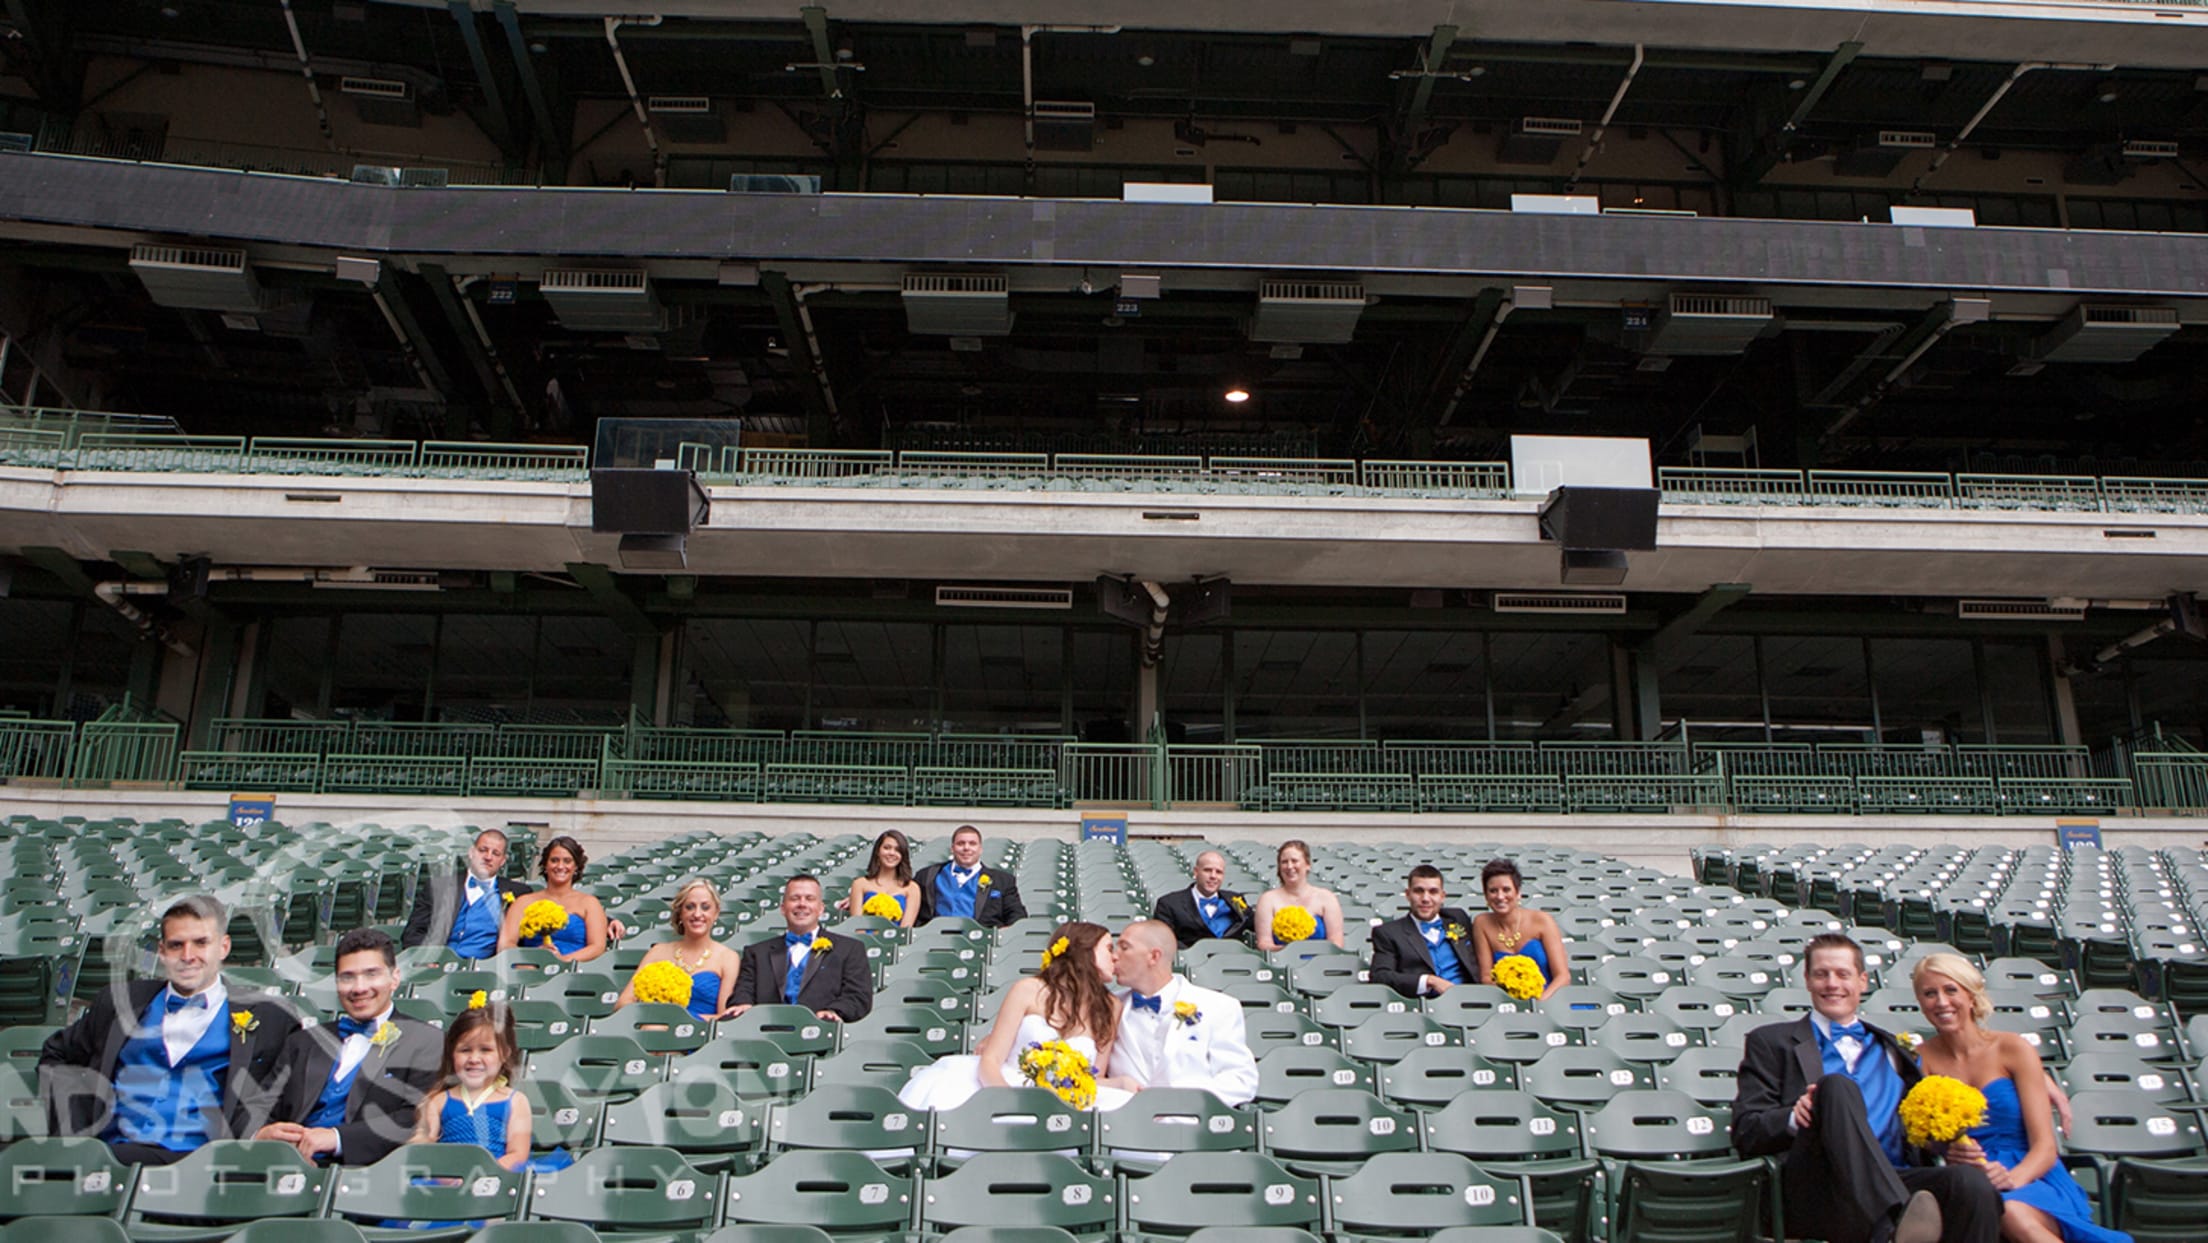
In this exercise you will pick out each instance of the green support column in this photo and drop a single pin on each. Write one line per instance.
(218, 667)
(644, 678)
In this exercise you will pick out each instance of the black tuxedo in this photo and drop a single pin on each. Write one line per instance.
(1837, 1181)
(1177, 910)
(836, 979)
(76, 1065)
(1400, 954)
(437, 904)
(995, 904)
(385, 1095)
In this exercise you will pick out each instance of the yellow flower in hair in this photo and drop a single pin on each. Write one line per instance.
(1293, 923)
(882, 906)
(1057, 947)
(662, 983)
(478, 999)
(1940, 1110)
(821, 944)
(1520, 977)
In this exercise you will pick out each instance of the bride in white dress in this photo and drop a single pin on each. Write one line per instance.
(1067, 1000)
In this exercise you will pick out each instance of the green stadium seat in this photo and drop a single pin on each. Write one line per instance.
(842, 1193)
(1022, 1190)
(1011, 1120)
(426, 1183)
(1160, 1122)
(931, 1029)
(1391, 1037)
(701, 1118)
(1198, 1189)
(1285, 1072)
(582, 994)
(2161, 1082)
(1417, 1192)
(661, 1029)
(754, 1068)
(64, 1230)
(66, 1177)
(1330, 1131)
(1351, 1004)
(1467, 1006)
(598, 1067)
(859, 1117)
(1267, 1030)
(1494, 1234)
(797, 1029)
(1709, 1076)
(222, 1187)
(1518, 1038)
(628, 1192)
(770, 1234)
(1514, 1131)
(558, 1117)
(2157, 1201)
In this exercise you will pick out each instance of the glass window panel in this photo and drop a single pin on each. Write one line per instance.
(1003, 678)
(382, 667)
(582, 671)
(1552, 685)
(744, 673)
(483, 667)
(1713, 690)
(1927, 691)
(298, 651)
(1295, 684)
(1424, 684)
(2173, 690)
(1103, 684)
(2016, 687)
(1192, 688)
(873, 676)
(2102, 698)
(1818, 687)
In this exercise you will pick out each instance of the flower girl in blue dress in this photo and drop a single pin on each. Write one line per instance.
(478, 1104)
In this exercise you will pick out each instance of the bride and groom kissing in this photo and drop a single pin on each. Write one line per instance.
(1162, 1031)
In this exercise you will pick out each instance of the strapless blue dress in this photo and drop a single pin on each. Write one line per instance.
(1535, 950)
(571, 936)
(705, 993)
(2054, 1193)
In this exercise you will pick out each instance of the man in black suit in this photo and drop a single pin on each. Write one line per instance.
(349, 1092)
(824, 972)
(157, 1069)
(1824, 1090)
(965, 887)
(464, 908)
(1429, 951)
(1204, 909)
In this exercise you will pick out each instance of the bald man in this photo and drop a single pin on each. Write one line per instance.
(1205, 909)
(1173, 1034)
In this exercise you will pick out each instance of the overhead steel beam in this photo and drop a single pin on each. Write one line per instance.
(549, 143)
(42, 51)
(1422, 94)
(508, 135)
(1717, 599)
(456, 316)
(60, 565)
(614, 602)
(805, 361)
(824, 52)
(1772, 148)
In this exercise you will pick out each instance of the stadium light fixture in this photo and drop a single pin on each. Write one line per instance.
(1237, 395)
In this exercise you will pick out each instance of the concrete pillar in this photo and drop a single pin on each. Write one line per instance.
(1146, 694)
(2062, 696)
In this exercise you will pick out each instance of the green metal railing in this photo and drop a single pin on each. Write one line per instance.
(33, 750)
(125, 745)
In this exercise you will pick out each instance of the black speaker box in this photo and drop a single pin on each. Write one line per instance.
(1608, 518)
(641, 501)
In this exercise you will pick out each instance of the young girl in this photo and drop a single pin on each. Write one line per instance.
(478, 1104)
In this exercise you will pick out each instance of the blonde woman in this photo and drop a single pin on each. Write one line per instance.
(2015, 1145)
(1292, 864)
(712, 966)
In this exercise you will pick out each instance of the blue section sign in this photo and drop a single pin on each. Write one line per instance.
(1108, 828)
(2075, 833)
(249, 811)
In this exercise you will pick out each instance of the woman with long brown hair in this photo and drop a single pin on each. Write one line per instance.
(1068, 1000)
(888, 872)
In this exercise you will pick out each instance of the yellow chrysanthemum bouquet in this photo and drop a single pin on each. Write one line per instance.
(1061, 1068)
(1941, 1110)
(882, 906)
(1520, 977)
(542, 918)
(662, 982)
(1293, 923)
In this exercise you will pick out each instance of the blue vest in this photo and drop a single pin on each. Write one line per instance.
(475, 927)
(1447, 965)
(1874, 1073)
(329, 1108)
(168, 1106)
(1216, 914)
(952, 898)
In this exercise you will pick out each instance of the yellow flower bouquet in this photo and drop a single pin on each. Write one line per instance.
(1061, 1068)
(542, 918)
(882, 906)
(662, 982)
(1941, 1110)
(1293, 923)
(1520, 977)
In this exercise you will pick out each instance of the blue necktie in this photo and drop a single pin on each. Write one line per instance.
(1152, 1004)
(797, 965)
(197, 1001)
(1857, 1030)
(349, 1027)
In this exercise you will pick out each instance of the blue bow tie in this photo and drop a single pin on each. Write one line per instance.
(1431, 925)
(349, 1027)
(197, 1001)
(1153, 1004)
(797, 938)
(1857, 1030)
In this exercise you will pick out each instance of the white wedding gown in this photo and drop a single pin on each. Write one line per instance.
(951, 1081)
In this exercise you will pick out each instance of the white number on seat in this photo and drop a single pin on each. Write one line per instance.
(566, 1117)
(732, 1117)
(1077, 1193)
(1555, 1039)
(1395, 1007)
(1344, 1078)
(1220, 1125)
(1700, 1126)
(634, 1066)
(1675, 1040)
(1313, 1038)
(1058, 1122)
(1479, 1196)
(874, 1193)
(1621, 1078)
(1280, 1193)
(1436, 1039)
(290, 1184)
(483, 1187)
(2161, 1126)
(896, 1122)
(1383, 1126)
(1541, 1126)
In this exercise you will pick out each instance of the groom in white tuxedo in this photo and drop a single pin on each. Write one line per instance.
(1173, 1034)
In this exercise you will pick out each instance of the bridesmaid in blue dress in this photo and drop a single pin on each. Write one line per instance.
(888, 871)
(693, 911)
(584, 937)
(1292, 864)
(1508, 928)
(2015, 1145)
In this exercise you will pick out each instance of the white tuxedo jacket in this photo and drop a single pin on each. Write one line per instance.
(1211, 1052)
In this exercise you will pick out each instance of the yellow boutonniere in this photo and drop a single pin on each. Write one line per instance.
(478, 999)
(507, 897)
(1238, 902)
(242, 1023)
(983, 882)
(821, 945)
(1454, 932)
(1186, 1013)
(387, 1034)
(1908, 1041)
